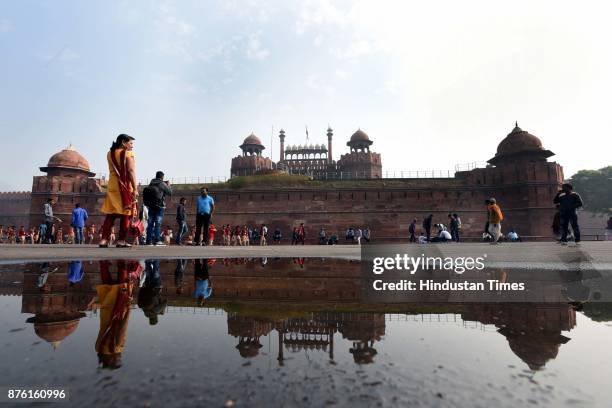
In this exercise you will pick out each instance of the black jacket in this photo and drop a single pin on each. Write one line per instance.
(568, 202)
(180, 213)
(165, 189)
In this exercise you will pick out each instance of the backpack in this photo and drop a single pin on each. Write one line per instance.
(152, 196)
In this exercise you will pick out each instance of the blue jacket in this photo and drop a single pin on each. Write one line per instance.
(79, 216)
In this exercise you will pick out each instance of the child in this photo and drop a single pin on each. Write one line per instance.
(112, 236)
(211, 234)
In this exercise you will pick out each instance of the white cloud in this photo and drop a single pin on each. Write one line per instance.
(5, 26)
(318, 13)
(254, 48)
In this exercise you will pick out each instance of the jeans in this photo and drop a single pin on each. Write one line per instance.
(202, 222)
(455, 234)
(566, 219)
(156, 216)
(181, 231)
(78, 235)
(49, 232)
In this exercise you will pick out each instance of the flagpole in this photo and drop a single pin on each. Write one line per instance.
(271, 144)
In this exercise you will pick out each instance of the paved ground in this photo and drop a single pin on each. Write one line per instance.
(521, 255)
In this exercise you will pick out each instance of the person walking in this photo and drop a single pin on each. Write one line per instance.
(495, 218)
(569, 201)
(181, 220)
(79, 217)
(412, 230)
(264, 235)
(455, 225)
(205, 210)
(49, 220)
(427, 226)
(154, 197)
(122, 191)
(301, 234)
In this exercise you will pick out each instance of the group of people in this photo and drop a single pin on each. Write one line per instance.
(443, 233)
(144, 223)
(357, 235)
(566, 201)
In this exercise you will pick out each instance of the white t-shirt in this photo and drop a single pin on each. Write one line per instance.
(445, 235)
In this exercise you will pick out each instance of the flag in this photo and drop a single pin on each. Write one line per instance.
(306, 132)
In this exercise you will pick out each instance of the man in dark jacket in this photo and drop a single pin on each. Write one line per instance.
(569, 201)
(181, 220)
(156, 210)
(427, 226)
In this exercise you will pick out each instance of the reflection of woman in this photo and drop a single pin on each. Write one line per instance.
(114, 296)
(122, 192)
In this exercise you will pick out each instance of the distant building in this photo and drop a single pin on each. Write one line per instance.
(315, 160)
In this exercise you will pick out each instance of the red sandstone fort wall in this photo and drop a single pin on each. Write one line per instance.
(15, 208)
(524, 191)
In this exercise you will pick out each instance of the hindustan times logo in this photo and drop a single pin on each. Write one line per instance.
(411, 264)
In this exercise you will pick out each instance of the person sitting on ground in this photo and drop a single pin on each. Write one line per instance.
(512, 236)
(255, 236)
(358, 235)
(21, 235)
(277, 236)
(443, 234)
(59, 236)
(422, 238)
(333, 240)
(350, 234)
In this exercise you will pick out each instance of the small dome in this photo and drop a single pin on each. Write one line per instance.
(520, 141)
(311, 147)
(360, 136)
(252, 140)
(68, 159)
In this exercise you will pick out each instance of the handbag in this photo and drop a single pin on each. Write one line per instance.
(136, 225)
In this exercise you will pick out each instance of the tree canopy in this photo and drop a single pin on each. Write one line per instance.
(595, 188)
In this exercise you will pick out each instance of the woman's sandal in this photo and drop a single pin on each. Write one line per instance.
(123, 245)
(103, 244)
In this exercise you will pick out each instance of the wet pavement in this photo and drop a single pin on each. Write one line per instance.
(293, 332)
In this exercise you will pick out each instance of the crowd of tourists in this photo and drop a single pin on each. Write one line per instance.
(142, 224)
(566, 202)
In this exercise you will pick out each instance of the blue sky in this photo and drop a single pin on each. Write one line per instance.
(432, 84)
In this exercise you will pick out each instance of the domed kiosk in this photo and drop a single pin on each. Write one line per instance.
(520, 144)
(68, 161)
(251, 161)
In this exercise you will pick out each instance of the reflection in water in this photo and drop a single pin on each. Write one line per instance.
(295, 298)
(115, 297)
(203, 288)
(56, 303)
(150, 298)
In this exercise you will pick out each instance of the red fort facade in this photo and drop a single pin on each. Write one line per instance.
(347, 192)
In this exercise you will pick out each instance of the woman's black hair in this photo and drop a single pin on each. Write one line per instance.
(120, 139)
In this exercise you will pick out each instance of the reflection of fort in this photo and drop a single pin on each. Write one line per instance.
(56, 304)
(304, 316)
(315, 333)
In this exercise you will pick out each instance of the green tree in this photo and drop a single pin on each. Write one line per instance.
(595, 188)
